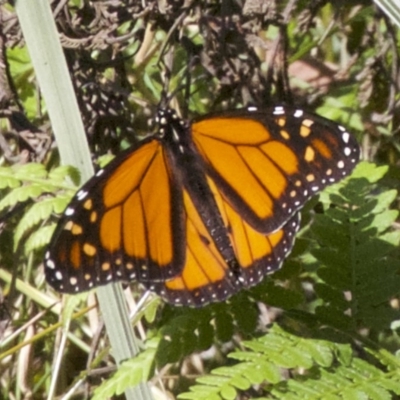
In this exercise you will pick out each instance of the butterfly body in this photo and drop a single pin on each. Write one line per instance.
(202, 210)
(189, 168)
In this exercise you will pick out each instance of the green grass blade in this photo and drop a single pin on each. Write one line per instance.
(391, 8)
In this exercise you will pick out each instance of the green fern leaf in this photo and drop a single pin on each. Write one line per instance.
(183, 334)
(330, 294)
(30, 171)
(359, 380)
(336, 374)
(60, 203)
(391, 385)
(7, 178)
(263, 371)
(353, 394)
(258, 369)
(20, 195)
(62, 172)
(269, 292)
(228, 392)
(130, 373)
(39, 238)
(376, 392)
(320, 352)
(186, 330)
(370, 172)
(356, 245)
(224, 325)
(384, 200)
(389, 360)
(201, 393)
(245, 321)
(222, 384)
(37, 213)
(384, 220)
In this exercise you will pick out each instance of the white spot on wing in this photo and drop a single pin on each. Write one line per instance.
(69, 211)
(81, 194)
(279, 110)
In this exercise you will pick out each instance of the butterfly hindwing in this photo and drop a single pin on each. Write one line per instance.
(124, 224)
(206, 277)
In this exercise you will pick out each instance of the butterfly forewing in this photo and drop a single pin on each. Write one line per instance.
(124, 224)
(269, 163)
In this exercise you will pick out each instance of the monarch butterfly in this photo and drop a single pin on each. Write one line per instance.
(199, 211)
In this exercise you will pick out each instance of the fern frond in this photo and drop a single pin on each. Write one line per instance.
(39, 238)
(261, 363)
(63, 172)
(35, 214)
(224, 382)
(38, 213)
(31, 171)
(290, 351)
(357, 253)
(20, 195)
(318, 373)
(271, 292)
(7, 179)
(30, 182)
(186, 330)
(359, 380)
(130, 374)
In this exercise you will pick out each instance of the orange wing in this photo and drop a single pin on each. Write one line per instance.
(124, 224)
(206, 276)
(269, 163)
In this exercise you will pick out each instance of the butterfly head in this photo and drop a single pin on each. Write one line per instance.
(172, 129)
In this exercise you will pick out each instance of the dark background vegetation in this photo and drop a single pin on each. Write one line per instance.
(336, 303)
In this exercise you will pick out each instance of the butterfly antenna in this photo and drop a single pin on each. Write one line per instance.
(282, 82)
